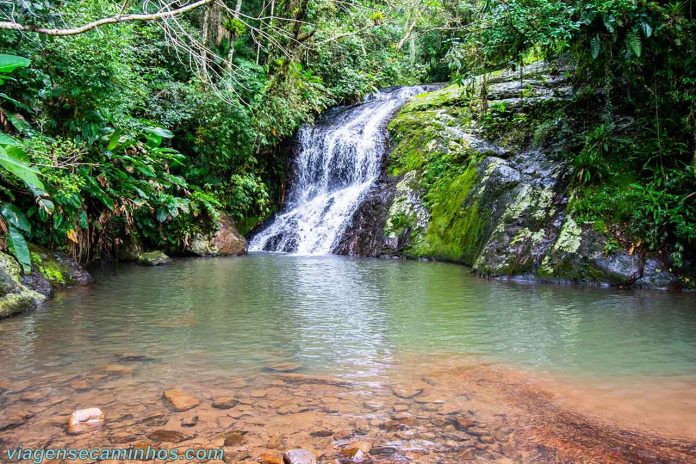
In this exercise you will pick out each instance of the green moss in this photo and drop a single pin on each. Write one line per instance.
(51, 269)
(455, 232)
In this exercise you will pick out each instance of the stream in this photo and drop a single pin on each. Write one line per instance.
(388, 350)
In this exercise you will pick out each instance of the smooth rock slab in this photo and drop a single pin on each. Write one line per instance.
(299, 456)
(180, 400)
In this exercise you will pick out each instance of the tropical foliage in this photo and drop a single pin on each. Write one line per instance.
(151, 128)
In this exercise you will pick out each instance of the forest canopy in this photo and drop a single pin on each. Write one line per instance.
(167, 113)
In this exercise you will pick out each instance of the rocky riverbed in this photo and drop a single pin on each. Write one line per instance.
(441, 410)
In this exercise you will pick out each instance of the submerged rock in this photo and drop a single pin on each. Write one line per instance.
(180, 400)
(226, 241)
(153, 258)
(85, 420)
(299, 456)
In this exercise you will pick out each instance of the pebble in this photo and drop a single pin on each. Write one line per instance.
(299, 456)
(168, 436)
(271, 458)
(352, 448)
(225, 403)
(189, 421)
(406, 394)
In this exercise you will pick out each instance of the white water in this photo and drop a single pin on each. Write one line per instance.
(338, 161)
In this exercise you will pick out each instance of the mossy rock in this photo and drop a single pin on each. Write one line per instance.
(15, 298)
(154, 258)
(54, 270)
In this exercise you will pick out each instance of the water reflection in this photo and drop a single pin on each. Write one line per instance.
(346, 317)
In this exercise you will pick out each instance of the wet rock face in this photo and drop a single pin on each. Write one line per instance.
(454, 189)
(226, 241)
(364, 235)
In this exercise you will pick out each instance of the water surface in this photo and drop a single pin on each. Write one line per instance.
(347, 317)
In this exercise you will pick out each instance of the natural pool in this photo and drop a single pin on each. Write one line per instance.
(359, 328)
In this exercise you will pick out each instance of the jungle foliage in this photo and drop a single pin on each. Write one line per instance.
(129, 129)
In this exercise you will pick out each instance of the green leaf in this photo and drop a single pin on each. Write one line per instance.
(17, 162)
(9, 63)
(162, 214)
(595, 47)
(634, 43)
(18, 247)
(160, 132)
(8, 140)
(647, 29)
(16, 217)
(114, 140)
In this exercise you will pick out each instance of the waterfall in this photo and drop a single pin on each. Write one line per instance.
(338, 161)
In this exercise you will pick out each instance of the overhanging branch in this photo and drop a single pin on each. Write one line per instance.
(120, 18)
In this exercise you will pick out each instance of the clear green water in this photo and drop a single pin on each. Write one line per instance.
(345, 317)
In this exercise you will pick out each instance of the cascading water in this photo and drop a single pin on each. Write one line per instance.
(338, 161)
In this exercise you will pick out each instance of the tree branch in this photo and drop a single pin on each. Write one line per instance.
(111, 20)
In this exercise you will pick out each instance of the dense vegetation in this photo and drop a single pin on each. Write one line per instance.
(152, 128)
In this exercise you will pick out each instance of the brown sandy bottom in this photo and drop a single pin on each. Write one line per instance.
(439, 409)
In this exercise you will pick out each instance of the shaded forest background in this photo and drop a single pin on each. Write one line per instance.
(151, 129)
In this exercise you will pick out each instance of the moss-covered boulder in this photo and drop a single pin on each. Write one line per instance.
(225, 241)
(15, 297)
(153, 258)
(53, 270)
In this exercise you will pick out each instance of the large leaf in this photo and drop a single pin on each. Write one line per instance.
(595, 46)
(9, 63)
(634, 44)
(18, 247)
(17, 162)
(16, 217)
(8, 140)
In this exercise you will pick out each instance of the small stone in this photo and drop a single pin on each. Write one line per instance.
(180, 400)
(158, 420)
(299, 456)
(233, 438)
(407, 394)
(85, 420)
(463, 423)
(117, 369)
(477, 431)
(487, 439)
(225, 403)
(373, 405)
(169, 436)
(383, 451)
(189, 421)
(401, 407)
(322, 433)
(352, 448)
(271, 458)
(79, 385)
(274, 441)
(258, 393)
(284, 368)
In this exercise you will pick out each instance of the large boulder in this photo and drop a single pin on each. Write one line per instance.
(226, 241)
(15, 297)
